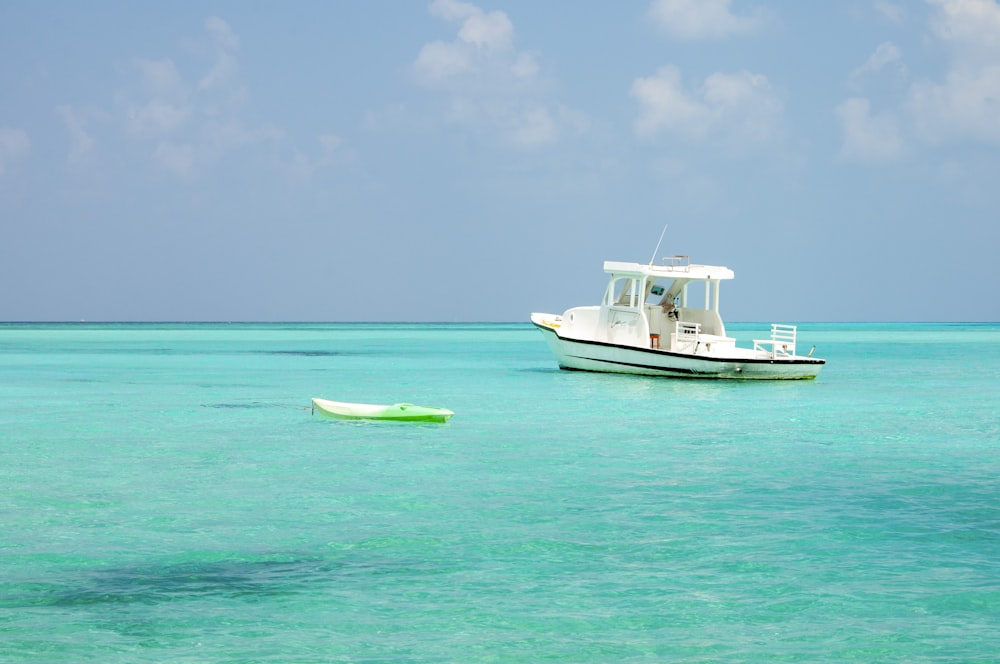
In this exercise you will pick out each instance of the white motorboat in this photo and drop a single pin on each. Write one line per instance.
(644, 325)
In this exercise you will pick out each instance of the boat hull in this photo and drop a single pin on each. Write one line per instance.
(400, 412)
(585, 355)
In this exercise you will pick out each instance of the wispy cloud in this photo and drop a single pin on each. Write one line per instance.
(739, 109)
(886, 56)
(83, 143)
(165, 105)
(492, 86)
(964, 104)
(14, 145)
(868, 137)
(225, 43)
(484, 42)
(329, 143)
(301, 165)
(961, 106)
(969, 28)
(892, 11)
(192, 119)
(702, 19)
(178, 159)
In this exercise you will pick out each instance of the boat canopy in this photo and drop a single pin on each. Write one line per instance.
(634, 282)
(677, 268)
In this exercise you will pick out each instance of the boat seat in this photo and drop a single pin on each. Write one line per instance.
(707, 318)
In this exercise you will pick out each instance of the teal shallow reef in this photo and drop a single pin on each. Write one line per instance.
(168, 496)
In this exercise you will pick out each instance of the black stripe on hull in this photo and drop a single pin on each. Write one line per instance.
(660, 370)
(672, 371)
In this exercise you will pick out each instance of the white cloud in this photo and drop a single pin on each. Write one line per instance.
(886, 54)
(329, 143)
(966, 104)
(166, 105)
(301, 167)
(14, 145)
(83, 142)
(890, 10)
(525, 66)
(970, 27)
(174, 158)
(739, 108)
(664, 106)
(491, 86)
(702, 19)
(884, 69)
(745, 104)
(452, 10)
(540, 126)
(222, 35)
(439, 61)
(193, 120)
(155, 117)
(492, 30)
(484, 42)
(479, 28)
(217, 138)
(225, 43)
(533, 128)
(160, 78)
(867, 137)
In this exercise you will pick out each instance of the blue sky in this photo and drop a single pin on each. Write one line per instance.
(462, 161)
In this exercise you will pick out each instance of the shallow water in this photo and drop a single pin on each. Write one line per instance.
(168, 496)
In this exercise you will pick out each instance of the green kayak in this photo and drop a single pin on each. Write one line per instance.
(400, 412)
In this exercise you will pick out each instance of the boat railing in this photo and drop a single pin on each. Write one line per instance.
(780, 345)
(677, 261)
(686, 336)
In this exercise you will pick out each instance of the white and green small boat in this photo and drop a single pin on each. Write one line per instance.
(400, 412)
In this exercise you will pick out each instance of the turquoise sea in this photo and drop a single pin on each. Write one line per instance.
(167, 496)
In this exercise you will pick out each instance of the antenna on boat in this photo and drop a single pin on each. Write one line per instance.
(655, 251)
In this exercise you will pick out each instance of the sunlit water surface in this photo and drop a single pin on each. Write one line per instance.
(168, 496)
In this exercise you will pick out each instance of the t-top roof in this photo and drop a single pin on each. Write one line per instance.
(676, 269)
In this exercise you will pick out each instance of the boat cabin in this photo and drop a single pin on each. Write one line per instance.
(651, 306)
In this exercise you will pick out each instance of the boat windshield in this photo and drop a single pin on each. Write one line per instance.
(627, 289)
(625, 292)
(660, 295)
